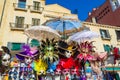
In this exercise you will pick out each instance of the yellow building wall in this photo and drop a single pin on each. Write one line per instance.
(56, 11)
(49, 12)
(18, 36)
(99, 41)
(1, 7)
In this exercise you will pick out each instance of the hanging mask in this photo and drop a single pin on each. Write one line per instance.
(66, 71)
(28, 54)
(6, 56)
(68, 53)
(28, 60)
(48, 49)
(58, 71)
(40, 66)
(65, 49)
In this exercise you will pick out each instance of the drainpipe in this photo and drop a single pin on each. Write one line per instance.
(2, 12)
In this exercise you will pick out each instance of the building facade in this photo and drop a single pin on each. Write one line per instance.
(21, 14)
(17, 15)
(108, 36)
(107, 13)
(107, 41)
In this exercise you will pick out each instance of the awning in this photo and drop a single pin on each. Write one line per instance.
(116, 68)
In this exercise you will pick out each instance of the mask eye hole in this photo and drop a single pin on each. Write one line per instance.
(67, 51)
(27, 57)
(70, 52)
(4, 60)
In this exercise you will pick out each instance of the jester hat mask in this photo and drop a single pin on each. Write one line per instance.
(27, 52)
(66, 49)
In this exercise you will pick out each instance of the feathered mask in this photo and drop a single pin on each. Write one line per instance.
(40, 67)
(87, 45)
(49, 50)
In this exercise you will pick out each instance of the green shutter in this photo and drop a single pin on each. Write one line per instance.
(16, 46)
(107, 48)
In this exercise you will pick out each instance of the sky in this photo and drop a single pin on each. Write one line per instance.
(83, 7)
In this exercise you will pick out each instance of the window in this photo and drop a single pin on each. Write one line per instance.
(115, 4)
(104, 34)
(22, 4)
(36, 5)
(118, 34)
(107, 48)
(35, 21)
(14, 46)
(19, 23)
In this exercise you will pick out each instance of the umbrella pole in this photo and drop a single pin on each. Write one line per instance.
(28, 40)
(63, 30)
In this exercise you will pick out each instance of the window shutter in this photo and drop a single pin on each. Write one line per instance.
(101, 33)
(117, 34)
(15, 46)
(107, 48)
(108, 35)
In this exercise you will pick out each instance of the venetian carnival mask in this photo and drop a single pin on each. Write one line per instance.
(66, 71)
(69, 52)
(28, 54)
(28, 60)
(58, 71)
(48, 49)
(6, 56)
(86, 46)
(40, 67)
(6, 59)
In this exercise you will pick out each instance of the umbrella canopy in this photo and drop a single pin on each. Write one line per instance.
(83, 35)
(41, 33)
(64, 25)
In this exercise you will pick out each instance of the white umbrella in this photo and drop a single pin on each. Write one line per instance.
(41, 33)
(83, 35)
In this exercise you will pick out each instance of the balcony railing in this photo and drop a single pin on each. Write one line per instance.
(36, 9)
(15, 26)
(20, 6)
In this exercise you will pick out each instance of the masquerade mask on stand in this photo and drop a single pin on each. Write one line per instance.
(52, 67)
(65, 49)
(6, 56)
(86, 49)
(40, 66)
(58, 70)
(49, 50)
(27, 54)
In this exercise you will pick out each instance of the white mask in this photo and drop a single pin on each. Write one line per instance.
(68, 54)
(28, 60)
(6, 60)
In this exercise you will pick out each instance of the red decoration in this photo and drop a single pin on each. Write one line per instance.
(67, 63)
(85, 56)
(116, 54)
